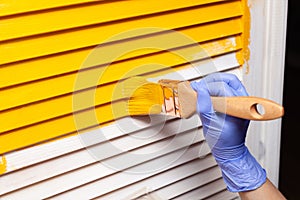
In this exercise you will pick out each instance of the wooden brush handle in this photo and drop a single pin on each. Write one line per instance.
(247, 107)
(243, 107)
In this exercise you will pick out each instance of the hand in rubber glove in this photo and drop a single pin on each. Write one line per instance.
(226, 134)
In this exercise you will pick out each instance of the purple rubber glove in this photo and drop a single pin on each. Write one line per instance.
(226, 135)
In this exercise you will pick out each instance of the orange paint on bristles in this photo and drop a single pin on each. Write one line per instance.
(144, 97)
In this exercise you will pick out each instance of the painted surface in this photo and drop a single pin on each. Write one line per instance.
(2, 165)
(246, 35)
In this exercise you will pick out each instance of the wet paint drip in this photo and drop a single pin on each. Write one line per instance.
(2, 165)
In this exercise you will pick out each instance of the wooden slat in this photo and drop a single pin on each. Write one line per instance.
(205, 191)
(34, 113)
(111, 183)
(190, 183)
(102, 173)
(60, 126)
(69, 40)
(84, 158)
(56, 148)
(164, 179)
(10, 7)
(91, 14)
(39, 68)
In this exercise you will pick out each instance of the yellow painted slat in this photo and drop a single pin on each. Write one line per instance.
(72, 17)
(63, 41)
(9, 7)
(40, 90)
(35, 69)
(44, 131)
(52, 65)
(104, 94)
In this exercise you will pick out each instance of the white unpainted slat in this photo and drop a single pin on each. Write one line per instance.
(29, 156)
(189, 183)
(163, 179)
(204, 191)
(224, 195)
(112, 183)
(85, 157)
(99, 170)
(82, 158)
(131, 175)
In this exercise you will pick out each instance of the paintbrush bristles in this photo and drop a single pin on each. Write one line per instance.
(144, 97)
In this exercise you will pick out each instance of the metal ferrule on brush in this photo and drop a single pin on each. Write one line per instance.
(170, 94)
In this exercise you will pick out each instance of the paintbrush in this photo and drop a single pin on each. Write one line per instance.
(177, 98)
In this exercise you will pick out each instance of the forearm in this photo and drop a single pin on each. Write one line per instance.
(266, 191)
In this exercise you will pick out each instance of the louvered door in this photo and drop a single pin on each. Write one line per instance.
(61, 64)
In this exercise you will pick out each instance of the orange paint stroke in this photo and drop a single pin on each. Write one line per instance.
(244, 56)
(2, 165)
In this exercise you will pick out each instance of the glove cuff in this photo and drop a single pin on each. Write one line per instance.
(243, 173)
